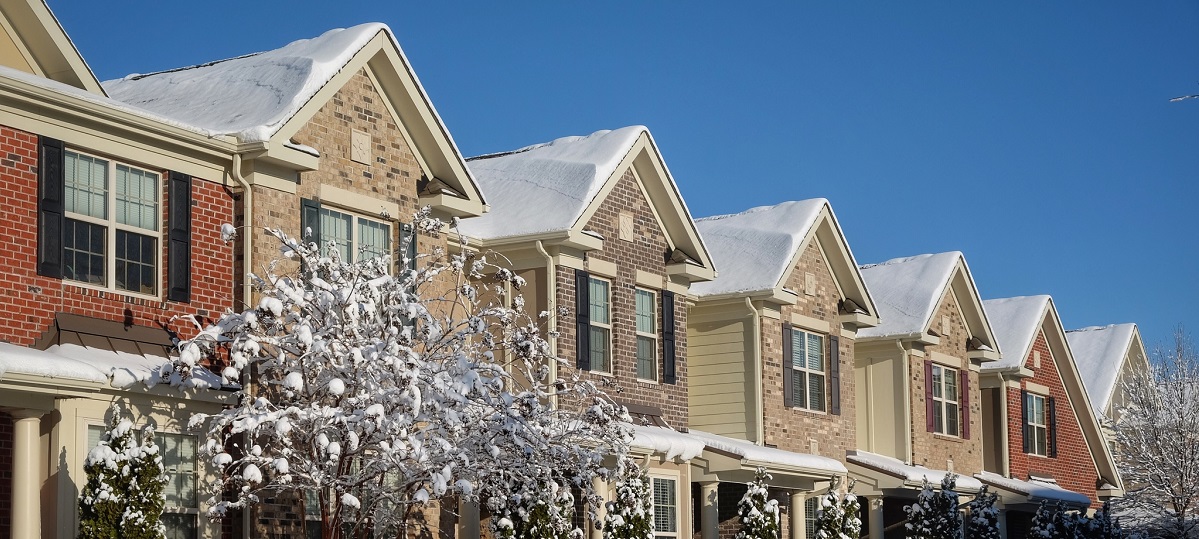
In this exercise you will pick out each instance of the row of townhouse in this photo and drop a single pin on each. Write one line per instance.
(737, 342)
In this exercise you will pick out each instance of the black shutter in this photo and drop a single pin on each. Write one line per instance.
(583, 319)
(179, 234)
(930, 421)
(668, 365)
(51, 194)
(409, 232)
(1024, 430)
(834, 374)
(310, 220)
(788, 376)
(964, 403)
(1052, 426)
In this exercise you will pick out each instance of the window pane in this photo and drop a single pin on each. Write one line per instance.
(647, 365)
(816, 391)
(83, 252)
(951, 385)
(798, 346)
(86, 180)
(799, 388)
(179, 460)
(599, 301)
(374, 239)
(1040, 445)
(179, 526)
(136, 257)
(665, 506)
(645, 311)
(335, 226)
(1038, 414)
(599, 349)
(951, 419)
(938, 418)
(937, 376)
(815, 352)
(809, 517)
(137, 198)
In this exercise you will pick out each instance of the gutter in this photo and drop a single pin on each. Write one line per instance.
(759, 400)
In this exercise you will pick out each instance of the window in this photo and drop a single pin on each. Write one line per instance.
(647, 335)
(111, 231)
(1038, 424)
(179, 461)
(811, 511)
(666, 507)
(808, 374)
(357, 238)
(945, 400)
(600, 324)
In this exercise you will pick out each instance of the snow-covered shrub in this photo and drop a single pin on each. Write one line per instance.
(756, 512)
(631, 514)
(380, 392)
(935, 514)
(838, 515)
(123, 496)
(542, 517)
(982, 522)
(1053, 521)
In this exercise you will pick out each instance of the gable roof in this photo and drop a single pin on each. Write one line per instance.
(1015, 322)
(1101, 352)
(908, 290)
(39, 39)
(756, 249)
(266, 97)
(553, 187)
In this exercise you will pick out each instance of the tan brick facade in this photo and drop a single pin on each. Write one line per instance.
(937, 450)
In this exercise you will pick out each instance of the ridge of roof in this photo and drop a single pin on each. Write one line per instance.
(1100, 353)
(1015, 322)
(906, 291)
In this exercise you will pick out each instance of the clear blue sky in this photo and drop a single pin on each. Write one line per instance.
(1035, 137)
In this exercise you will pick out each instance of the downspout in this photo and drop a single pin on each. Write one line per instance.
(1005, 463)
(759, 401)
(551, 325)
(247, 229)
(907, 402)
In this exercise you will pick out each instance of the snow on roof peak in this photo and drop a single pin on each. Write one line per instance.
(906, 291)
(1099, 352)
(546, 187)
(1015, 322)
(248, 96)
(753, 249)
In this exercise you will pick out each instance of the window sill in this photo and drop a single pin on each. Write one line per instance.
(808, 411)
(113, 291)
(948, 437)
(647, 381)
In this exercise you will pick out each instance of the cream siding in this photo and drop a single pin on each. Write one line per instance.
(878, 372)
(719, 355)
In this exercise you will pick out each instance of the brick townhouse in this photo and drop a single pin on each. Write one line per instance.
(1044, 441)
(771, 359)
(918, 406)
(598, 229)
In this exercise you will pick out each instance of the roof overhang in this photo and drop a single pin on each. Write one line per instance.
(44, 45)
(1028, 495)
(961, 285)
(886, 474)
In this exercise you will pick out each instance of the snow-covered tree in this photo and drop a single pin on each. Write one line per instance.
(543, 517)
(1157, 438)
(123, 496)
(756, 512)
(982, 522)
(935, 514)
(1101, 525)
(1054, 521)
(838, 515)
(631, 514)
(378, 392)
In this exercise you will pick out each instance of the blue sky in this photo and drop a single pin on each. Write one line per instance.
(1035, 137)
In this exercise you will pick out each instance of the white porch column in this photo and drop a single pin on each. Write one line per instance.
(799, 523)
(26, 472)
(874, 508)
(468, 521)
(600, 487)
(709, 516)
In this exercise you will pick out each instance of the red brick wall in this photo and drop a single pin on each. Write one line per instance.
(30, 301)
(1073, 468)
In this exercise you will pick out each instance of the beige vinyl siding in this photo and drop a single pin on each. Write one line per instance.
(878, 373)
(10, 54)
(718, 361)
(993, 420)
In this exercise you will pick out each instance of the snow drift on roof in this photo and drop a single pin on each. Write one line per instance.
(83, 363)
(545, 187)
(756, 454)
(1015, 322)
(671, 443)
(753, 249)
(1099, 352)
(1035, 490)
(250, 96)
(906, 291)
(912, 475)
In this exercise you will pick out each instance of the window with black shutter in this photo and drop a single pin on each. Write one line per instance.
(179, 235)
(669, 375)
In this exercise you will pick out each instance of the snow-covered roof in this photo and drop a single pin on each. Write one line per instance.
(753, 249)
(250, 96)
(906, 291)
(1015, 322)
(83, 363)
(911, 475)
(751, 454)
(671, 443)
(546, 187)
(1034, 490)
(1100, 352)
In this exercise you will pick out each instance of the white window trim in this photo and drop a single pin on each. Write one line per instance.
(90, 422)
(807, 372)
(111, 226)
(678, 501)
(355, 240)
(942, 402)
(1033, 425)
(652, 335)
(608, 326)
